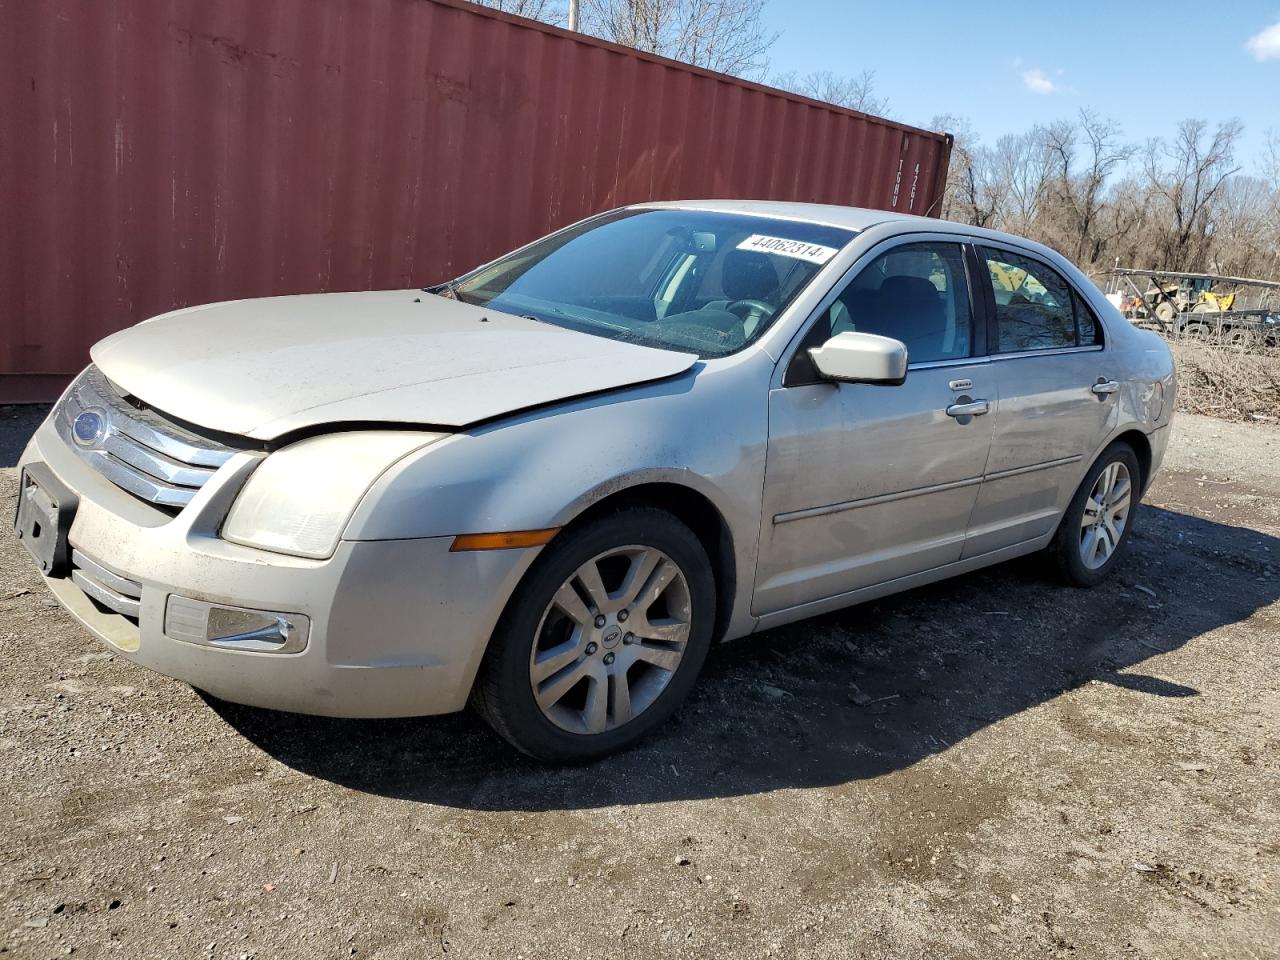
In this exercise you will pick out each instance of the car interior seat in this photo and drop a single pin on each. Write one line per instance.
(748, 275)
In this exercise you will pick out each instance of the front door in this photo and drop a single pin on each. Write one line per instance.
(864, 483)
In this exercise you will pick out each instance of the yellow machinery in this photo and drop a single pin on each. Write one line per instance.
(1211, 302)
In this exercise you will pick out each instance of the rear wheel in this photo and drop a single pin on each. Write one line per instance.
(603, 639)
(1094, 532)
(1238, 337)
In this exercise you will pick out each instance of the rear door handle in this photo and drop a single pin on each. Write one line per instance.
(1104, 387)
(974, 408)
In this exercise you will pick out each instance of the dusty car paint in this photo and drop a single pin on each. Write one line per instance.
(548, 424)
(287, 363)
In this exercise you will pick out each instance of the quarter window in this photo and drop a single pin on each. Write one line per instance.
(1036, 309)
(915, 293)
(1088, 329)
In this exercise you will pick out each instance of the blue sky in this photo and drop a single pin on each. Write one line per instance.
(1145, 65)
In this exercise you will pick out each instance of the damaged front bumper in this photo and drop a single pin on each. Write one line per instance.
(379, 629)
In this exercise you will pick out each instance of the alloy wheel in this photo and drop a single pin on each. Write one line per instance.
(1105, 514)
(610, 640)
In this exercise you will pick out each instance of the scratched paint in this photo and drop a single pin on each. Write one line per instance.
(159, 153)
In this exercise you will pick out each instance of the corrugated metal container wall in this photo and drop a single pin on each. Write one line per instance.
(160, 153)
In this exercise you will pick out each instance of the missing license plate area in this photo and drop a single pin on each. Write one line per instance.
(43, 520)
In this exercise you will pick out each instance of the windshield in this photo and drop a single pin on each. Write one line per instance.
(678, 279)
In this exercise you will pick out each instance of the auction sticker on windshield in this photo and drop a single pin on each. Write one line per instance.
(782, 247)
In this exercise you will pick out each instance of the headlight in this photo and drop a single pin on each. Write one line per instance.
(300, 498)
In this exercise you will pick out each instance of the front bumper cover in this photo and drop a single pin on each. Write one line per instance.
(394, 627)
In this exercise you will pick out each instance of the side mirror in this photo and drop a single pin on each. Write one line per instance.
(861, 358)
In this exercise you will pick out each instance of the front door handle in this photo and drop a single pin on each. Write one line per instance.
(972, 408)
(1104, 387)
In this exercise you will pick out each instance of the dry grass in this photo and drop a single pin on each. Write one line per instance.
(1227, 382)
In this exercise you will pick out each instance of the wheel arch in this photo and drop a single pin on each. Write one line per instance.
(696, 511)
(1141, 446)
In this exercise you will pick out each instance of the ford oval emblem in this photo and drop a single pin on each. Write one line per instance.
(89, 428)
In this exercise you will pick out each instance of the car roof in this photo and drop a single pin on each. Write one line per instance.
(850, 218)
(856, 219)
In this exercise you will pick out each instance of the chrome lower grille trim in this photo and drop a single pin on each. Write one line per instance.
(112, 590)
(154, 463)
(138, 450)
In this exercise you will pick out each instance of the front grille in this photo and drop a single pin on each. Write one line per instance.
(109, 589)
(136, 448)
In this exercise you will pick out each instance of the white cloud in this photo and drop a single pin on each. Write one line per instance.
(1265, 44)
(1035, 81)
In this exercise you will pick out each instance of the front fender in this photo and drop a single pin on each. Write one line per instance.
(705, 430)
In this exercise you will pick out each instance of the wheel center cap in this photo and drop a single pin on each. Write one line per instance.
(611, 637)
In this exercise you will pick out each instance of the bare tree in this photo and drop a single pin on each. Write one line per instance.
(1127, 219)
(969, 196)
(1271, 159)
(723, 35)
(1078, 186)
(1078, 191)
(1019, 179)
(856, 92)
(1243, 228)
(548, 11)
(1187, 175)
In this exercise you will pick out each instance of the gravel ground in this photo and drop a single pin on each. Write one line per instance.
(992, 767)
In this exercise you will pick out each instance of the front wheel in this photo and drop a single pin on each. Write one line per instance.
(1094, 531)
(602, 640)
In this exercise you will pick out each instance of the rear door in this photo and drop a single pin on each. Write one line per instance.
(867, 483)
(1056, 379)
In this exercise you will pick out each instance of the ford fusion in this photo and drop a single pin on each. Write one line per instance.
(548, 486)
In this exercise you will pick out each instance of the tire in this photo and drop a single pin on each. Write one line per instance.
(1070, 544)
(1166, 312)
(1238, 337)
(553, 634)
(1198, 331)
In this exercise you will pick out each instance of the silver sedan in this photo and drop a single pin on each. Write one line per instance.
(547, 487)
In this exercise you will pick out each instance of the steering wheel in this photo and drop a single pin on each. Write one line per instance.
(746, 309)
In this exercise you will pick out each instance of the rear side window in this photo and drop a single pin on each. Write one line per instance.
(1036, 309)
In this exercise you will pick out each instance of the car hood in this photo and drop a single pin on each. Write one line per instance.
(264, 368)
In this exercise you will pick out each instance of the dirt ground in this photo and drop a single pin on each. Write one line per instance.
(991, 767)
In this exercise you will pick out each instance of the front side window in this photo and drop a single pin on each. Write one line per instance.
(1036, 309)
(916, 293)
(703, 282)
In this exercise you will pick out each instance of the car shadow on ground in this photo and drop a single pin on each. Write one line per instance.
(847, 696)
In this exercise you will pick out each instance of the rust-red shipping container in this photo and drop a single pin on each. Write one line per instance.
(159, 153)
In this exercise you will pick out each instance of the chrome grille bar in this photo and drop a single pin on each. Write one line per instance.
(139, 484)
(157, 465)
(108, 578)
(114, 591)
(139, 450)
